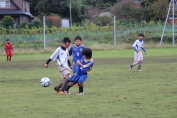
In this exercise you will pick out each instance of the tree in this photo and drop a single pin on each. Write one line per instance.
(7, 22)
(158, 9)
(103, 20)
(127, 11)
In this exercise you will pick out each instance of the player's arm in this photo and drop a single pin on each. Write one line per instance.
(144, 50)
(53, 57)
(134, 47)
(88, 66)
(70, 51)
(5, 48)
(47, 62)
(69, 63)
(12, 47)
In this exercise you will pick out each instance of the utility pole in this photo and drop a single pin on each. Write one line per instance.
(70, 9)
(173, 23)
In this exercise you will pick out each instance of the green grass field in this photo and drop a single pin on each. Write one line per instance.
(111, 90)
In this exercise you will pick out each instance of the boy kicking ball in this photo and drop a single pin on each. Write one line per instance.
(138, 57)
(62, 56)
(85, 65)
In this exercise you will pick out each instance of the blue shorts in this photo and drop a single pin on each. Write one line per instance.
(77, 78)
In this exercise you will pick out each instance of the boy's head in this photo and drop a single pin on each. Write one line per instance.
(78, 40)
(7, 40)
(141, 36)
(87, 53)
(66, 42)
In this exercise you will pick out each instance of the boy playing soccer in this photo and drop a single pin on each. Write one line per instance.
(85, 65)
(138, 57)
(8, 49)
(76, 52)
(62, 56)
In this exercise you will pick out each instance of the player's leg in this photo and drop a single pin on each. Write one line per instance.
(10, 58)
(140, 62)
(80, 83)
(72, 81)
(136, 60)
(64, 83)
(57, 88)
(7, 58)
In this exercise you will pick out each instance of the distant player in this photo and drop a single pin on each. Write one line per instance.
(62, 56)
(138, 57)
(76, 52)
(85, 65)
(8, 49)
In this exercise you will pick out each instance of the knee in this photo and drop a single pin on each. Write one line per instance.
(80, 83)
(140, 63)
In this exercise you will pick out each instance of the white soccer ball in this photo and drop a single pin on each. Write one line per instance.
(45, 82)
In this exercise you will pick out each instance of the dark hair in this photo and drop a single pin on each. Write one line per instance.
(7, 39)
(66, 39)
(78, 38)
(141, 34)
(87, 52)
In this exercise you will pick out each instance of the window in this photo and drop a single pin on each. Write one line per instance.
(4, 3)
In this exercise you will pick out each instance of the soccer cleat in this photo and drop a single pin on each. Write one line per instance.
(130, 67)
(67, 92)
(138, 70)
(80, 93)
(61, 92)
(56, 89)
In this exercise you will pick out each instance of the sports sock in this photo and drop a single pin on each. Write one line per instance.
(60, 85)
(7, 58)
(135, 63)
(81, 89)
(139, 66)
(65, 82)
(67, 87)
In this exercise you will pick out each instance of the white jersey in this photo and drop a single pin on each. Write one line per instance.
(62, 57)
(138, 45)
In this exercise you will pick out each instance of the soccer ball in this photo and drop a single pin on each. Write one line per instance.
(45, 82)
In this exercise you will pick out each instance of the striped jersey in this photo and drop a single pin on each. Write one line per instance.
(76, 52)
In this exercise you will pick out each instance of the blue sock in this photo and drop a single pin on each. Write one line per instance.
(81, 88)
(67, 87)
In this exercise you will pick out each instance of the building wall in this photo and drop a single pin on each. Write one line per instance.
(19, 3)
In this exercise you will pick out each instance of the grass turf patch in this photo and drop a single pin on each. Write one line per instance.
(111, 90)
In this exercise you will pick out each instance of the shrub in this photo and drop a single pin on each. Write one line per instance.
(103, 20)
(7, 21)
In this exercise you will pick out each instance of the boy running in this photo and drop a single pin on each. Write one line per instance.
(85, 65)
(62, 56)
(138, 57)
(8, 49)
(76, 52)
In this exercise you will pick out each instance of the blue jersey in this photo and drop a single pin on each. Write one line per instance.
(87, 66)
(76, 52)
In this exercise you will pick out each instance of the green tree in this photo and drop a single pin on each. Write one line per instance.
(158, 9)
(7, 22)
(127, 11)
(103, 20)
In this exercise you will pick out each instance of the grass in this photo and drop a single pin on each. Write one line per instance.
(95, 46)
(110, 91)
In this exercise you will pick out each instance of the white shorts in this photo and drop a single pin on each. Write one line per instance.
(138, 56)
(63, 71)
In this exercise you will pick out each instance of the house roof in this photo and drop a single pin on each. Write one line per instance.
(14, 12)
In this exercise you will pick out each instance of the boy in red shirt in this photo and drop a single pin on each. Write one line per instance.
(8, 48)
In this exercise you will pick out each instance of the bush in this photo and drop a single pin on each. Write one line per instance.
(24, 25)
(7, 21)
(103, 20)
(36, 23)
